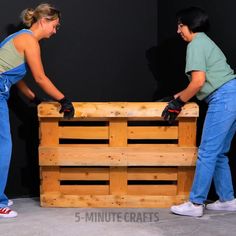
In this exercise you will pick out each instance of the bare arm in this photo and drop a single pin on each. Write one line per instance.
(22, 86)
(33, 58)
(198, 80)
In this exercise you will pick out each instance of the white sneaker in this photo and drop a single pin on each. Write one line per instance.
(222, 206)
(188, 209)
(10, 203)
(6, 212)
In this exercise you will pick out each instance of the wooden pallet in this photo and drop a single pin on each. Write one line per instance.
(117, 154)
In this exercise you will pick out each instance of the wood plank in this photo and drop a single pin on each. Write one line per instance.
(167, 190)
(187, 132)
(115, 109)
(117, 156)
(185, 179)
(98, 173)
(118, 138)
(118, 180)
(108, 201)
(84, 173)
(83, 132)
(84, 189)
(152, 173)
(49, 134)
(50, 179)
(118, 132)
(152, 132)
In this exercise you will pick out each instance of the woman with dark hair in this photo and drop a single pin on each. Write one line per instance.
(211, 80)
(16, 51)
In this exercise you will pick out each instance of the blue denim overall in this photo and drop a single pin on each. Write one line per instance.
(7, 79)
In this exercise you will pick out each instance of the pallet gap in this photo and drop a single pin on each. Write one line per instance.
(84, 182)
(83, 123)
(152, 123)
(83, 141)
(152, 182)
(152, 141)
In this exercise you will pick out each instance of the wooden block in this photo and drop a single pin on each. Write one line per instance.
(50, 179)
(118, 180)
(187, 132)
(118, 132)
(49, 132)
(118, 138)
(185, 179)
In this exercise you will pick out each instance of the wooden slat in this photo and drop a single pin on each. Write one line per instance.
(49, 132)
(50, 179)
(108, 201)
(96, 173)
(118, 138)
(115, 109)
(187, 132)
(168, 190)
(117, 156)
(185, 179)
(84, 189)
(152, 132)
(84, 173)
(118, 180)
(83, 132)
(118, 132)
(152, 173)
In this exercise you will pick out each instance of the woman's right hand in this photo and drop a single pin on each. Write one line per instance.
(67, 108)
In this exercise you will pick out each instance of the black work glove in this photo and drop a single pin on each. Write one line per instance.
(172, 110)
(37, 100)
(165, 99)
(67, 108)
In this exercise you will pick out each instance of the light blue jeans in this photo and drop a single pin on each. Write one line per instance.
(218, 132)
(5, 148)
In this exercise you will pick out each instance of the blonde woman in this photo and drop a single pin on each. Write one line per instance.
(16, 51)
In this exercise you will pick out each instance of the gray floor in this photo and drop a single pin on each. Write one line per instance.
(34, 220)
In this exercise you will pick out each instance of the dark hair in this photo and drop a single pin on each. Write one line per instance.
(195, 18)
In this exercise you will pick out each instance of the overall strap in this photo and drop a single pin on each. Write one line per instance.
(14, 35)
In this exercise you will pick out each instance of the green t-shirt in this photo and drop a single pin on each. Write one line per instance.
(204, 55)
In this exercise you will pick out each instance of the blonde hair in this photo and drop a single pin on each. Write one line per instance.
(29, 16)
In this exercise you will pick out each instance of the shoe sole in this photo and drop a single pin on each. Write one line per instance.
(211, 209)
(182, 214)
(7, 216)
